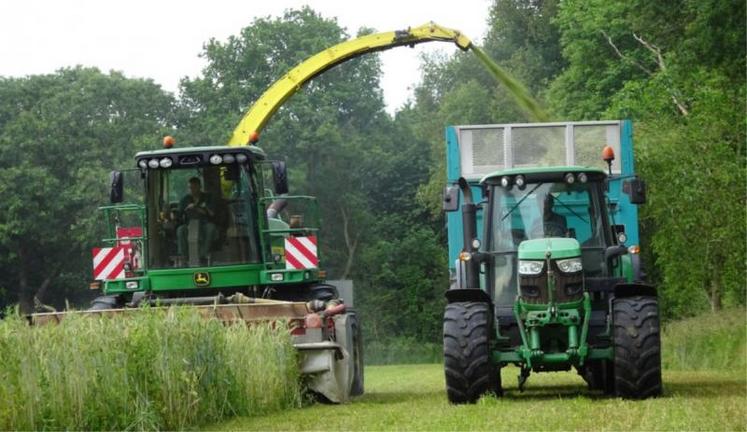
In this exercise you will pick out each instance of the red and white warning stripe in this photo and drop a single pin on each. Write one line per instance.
(300, 253)
(108, 263)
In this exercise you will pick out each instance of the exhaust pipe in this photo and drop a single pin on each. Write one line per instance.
(469, 224)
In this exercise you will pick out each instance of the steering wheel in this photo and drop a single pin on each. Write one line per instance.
(544, 229)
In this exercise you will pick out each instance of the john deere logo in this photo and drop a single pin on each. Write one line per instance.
(202, 279)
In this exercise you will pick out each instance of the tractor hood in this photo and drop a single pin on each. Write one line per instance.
(558, 247)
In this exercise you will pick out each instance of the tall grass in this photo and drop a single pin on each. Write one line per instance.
(152, 370)
(716, 341)
(709, 341)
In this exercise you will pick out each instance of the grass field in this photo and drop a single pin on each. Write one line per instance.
(412, 397)
(705, 388)
(155, 370)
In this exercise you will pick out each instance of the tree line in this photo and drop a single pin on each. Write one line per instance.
(676, 69)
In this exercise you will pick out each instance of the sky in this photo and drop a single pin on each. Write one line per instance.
(162, 39)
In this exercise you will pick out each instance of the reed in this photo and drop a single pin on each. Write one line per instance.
(152, 370)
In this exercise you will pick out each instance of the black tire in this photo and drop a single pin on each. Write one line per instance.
(106, 302)
(599, 375)
(470, 373)
(637, 344)
(357, 387)
(323, 292)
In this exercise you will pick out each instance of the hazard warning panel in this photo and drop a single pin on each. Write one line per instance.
(300, 253)
(109, 263)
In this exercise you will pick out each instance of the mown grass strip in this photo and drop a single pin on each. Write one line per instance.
(152, 370)
(412, 397)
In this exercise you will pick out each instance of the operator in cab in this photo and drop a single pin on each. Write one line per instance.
(550, 224)
(197, 233)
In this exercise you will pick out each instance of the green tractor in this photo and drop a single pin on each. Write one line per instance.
(549, 285)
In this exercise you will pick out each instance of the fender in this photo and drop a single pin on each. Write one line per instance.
(468, 295)
(634, 289)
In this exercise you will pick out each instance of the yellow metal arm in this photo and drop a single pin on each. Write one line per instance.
(258, 115)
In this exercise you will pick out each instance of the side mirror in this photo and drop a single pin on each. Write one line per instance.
(280, 177)
(116, 194)
(451, 198)
(636, 190)
(613, 252)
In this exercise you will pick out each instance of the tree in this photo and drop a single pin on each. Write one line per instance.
(60, 134)
(679, 76)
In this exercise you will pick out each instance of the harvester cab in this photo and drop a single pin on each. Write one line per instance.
(546, 271)
(212, 220)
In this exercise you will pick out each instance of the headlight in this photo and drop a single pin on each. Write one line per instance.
(229, 158)
(582, 177)
(166, 162)
(276, 277)
(530, 267)
(153, 163)
(241, 158)
(621, 237)
(143, 164)
(216, 159)
(572, 265)
(569, 178)
(505, 181)
(520, 181)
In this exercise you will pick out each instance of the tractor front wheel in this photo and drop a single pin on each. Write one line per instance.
(106, 302)
(469, 370)
(637, 343)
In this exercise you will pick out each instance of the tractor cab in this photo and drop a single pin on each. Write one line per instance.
(560, 211)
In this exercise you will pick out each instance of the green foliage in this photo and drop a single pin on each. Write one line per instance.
(716, 341)
(60, 134)
(153, 370)
(404, 284)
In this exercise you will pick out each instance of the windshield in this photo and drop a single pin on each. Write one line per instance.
(543, 210)
(201, 217)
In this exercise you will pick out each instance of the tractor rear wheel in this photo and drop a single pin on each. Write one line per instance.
(469, 370)
(637, 345)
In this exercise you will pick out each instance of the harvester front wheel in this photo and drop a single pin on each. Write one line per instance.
(470, 373)
(357, 384)
(106, 302)
(637, 343)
